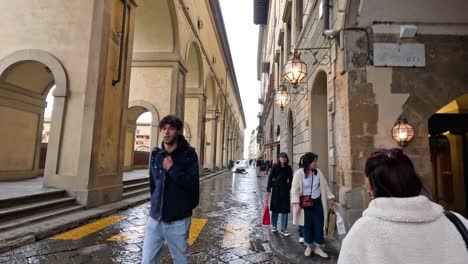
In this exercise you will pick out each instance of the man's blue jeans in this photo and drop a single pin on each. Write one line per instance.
(176, 235)
(284, 220)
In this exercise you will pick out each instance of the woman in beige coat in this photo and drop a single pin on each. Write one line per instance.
(309, 181)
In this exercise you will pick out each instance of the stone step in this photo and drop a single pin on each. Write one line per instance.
(134, 181)
(39, 217)
(136, 186)
(31, 198)
(29, 209)
(135, 193)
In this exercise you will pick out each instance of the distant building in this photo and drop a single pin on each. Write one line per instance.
(142, 137)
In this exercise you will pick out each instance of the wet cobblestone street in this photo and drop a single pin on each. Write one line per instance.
(225, 228)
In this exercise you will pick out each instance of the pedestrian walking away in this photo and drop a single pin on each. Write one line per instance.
(311, 196)
(174, 187)
(279, 184)
(401, 225)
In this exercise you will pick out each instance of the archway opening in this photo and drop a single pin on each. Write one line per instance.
(24, 87)
(209, 151)
(319, 121)
(448, 141)
(138, 138)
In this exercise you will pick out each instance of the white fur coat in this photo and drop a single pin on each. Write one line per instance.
(404, 230)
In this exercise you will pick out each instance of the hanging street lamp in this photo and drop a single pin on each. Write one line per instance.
(295, 70)
(402, 132)
(282, 97)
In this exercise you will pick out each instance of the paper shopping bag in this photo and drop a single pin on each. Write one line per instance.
(266, 213)
(331, 224)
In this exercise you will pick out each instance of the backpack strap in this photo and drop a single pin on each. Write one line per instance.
(459, 225)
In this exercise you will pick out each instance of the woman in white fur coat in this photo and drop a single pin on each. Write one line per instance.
(400, 225)
(308, 180)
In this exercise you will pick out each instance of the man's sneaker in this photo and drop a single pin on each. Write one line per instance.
(320, 252)
(274, 230)
(308, 252)
(285, 233)
(301, 240)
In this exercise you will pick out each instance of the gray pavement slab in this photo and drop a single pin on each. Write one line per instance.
(232, 233)
(289, 247)
(10, 239)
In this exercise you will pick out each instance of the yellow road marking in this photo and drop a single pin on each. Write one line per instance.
(195, 230)
(236, 235)
(85, 230)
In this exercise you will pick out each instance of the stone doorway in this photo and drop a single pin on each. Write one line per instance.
(319, 121)
(448, 141)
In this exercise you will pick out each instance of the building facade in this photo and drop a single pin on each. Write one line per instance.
(370, 65)
(254, 146)
(111, 61)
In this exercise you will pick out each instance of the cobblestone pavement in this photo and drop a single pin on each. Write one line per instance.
(225, 229)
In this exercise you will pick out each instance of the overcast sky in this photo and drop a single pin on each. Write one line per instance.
(243, 37)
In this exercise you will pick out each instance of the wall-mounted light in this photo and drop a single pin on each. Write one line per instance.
(295, 70)
(402, 132)
(217, 115)
(282, 97)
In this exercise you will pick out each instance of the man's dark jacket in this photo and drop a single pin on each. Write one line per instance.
(174, 193)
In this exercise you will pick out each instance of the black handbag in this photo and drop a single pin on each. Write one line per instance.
(459, 225)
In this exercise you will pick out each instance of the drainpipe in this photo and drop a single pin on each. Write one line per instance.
(326, 15)
(122, 38)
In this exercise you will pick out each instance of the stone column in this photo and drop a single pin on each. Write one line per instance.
(194, 109)
(92, 169)
(219, 152)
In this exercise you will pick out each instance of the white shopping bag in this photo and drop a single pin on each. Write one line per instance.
(340, 226)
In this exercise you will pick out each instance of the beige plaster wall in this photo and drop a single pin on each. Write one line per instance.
(192, 106)
(153, 85)
(154, 31)
(129, 139)
(68, 31)
(389, 105)
(18, 138)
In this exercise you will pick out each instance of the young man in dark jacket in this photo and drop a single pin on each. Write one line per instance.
(174, 186)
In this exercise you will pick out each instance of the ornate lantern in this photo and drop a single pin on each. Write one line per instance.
(402, 132)
(295, 69)
(282, 97)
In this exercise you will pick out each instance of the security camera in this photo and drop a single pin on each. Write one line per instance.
(330, 33)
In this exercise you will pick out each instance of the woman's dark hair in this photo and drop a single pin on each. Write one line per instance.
(391, 174)
(306, 160)
(172, 121)
(285, 164)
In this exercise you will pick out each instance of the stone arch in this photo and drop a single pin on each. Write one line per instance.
(418, 110)
(44, 71)
(156, 27)
(194, 66)
(319, 120)
(30, 56)
(154, 119)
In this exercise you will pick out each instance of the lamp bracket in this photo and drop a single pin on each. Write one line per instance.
(208, 119)
(325, 60)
